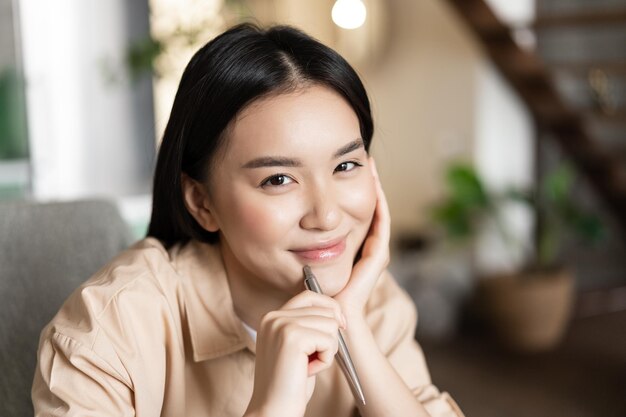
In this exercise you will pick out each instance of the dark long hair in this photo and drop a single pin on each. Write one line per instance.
(239, 66)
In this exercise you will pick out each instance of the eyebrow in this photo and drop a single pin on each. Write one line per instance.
(352, 146)
(281, 161)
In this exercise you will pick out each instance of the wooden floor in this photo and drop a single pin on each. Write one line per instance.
(584, 377)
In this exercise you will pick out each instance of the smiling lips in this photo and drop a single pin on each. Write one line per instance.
(324, 252)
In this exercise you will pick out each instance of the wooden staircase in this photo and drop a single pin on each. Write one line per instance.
(576, 101)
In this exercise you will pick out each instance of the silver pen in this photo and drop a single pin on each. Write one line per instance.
(343, 356)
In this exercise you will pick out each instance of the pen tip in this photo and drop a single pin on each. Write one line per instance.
(307, 270)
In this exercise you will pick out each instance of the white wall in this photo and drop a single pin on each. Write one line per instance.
(423, 92)
(504, 158)
(89, 135)
(504, 150)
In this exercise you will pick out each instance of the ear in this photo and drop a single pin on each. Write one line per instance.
(197, 201)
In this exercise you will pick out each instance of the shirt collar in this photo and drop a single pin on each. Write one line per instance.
(215, 330)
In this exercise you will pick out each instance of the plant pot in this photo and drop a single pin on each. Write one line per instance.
(528, 311)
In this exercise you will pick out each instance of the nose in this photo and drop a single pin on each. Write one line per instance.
(322, 211)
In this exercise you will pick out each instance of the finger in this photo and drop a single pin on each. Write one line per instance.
(321, 347)
(382, 219)
(301, 336)
(318, 345)
(328, 325)
(375, 253)
(310, 387)
(303, 312)
(313, 299)
(320, 318)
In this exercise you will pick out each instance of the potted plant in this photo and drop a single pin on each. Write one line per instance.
(529, 308)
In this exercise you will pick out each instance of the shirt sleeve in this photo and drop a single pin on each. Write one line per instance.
(393, 318)
(72, 380)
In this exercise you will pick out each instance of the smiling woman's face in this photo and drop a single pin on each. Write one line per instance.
(291, 187)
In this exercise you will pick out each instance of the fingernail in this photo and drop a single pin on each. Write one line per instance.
(344, 321)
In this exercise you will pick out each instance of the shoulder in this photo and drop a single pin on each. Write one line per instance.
(137, 284)
(144, 269)
(390, 312)
(389, 298)
(123, 326)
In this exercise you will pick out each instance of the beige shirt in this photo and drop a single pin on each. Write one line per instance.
(154, 333)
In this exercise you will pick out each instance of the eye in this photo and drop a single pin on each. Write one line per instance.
(276, 181)
(347, 166)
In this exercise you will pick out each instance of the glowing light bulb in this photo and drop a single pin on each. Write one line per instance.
(349, 14)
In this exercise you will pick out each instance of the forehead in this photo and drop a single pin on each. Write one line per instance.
(302, 121)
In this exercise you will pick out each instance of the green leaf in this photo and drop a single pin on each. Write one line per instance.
(455, 218)
(558, 184)
(589, 228)
(466, 187)
(141, 55)
(13, 127)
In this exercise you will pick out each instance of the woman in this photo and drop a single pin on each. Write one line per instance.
(263, 169)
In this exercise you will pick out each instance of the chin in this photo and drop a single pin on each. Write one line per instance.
(333, 278)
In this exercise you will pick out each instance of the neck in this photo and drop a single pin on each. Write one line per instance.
(252, 299)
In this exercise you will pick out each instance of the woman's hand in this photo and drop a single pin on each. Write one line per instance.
(294, 344)
(374, 256)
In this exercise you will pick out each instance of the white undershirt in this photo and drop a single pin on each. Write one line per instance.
(250, 331)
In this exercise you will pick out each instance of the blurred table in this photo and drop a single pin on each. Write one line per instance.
(584, 377)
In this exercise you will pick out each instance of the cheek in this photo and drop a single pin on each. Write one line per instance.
(256, 220)
(360, 201)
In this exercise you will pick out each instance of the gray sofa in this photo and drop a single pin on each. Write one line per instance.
(47, 250)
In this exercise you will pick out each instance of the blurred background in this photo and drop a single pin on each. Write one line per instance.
(500, 139)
